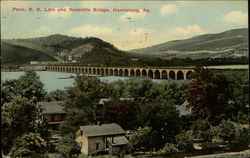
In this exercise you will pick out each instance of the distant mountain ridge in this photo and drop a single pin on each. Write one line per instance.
(232, 39)
(94, 51)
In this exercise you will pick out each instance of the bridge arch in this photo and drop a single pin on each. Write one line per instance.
(120, 72)
(157, 74)
(171, 75)
(126, 72)
(102, 72)
(94, 71)
(90, 71)
(116, 72)
(164, 74)
(107, 72)
(189, 75)
(138, 73)
(98, 71)
(150, 74)
(180, 75)
(111, 72)
(132, 73)
(144, 73)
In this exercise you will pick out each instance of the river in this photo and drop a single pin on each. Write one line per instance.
(56, 80)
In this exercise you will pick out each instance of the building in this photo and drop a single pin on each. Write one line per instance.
(95, 139)
(53, 112)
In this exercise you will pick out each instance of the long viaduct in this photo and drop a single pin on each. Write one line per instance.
(154, 73)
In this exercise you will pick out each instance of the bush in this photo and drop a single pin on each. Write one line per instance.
(67, 146)
(29, 145)
(184, 141)
(170, 148)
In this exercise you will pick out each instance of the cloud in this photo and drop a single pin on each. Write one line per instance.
(89, 30)
(236, 17)
(59, 14)
(185, 32)
(133, 15)
(168, 9)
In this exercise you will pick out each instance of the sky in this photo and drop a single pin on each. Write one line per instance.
(155, 23)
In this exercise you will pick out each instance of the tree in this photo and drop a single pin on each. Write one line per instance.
(184, 141)
(122, 112)
(67, 146)
(201, 130)
(20, 116)
(75, 117)
(57, 95)
(28, 145)
(238, 105)
(140, 139)
(207, 95)
(81, 101)
(28, 86)
(163, 118)
(226, 130)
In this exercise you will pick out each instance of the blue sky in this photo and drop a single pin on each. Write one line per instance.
(166, 21)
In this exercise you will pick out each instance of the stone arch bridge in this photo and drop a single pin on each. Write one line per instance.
(154, 73)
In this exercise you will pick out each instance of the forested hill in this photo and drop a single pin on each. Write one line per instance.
(16, 55)
(233, 39)
(88, 50)
(229, 45)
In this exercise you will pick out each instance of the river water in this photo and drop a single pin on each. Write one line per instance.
(56, 80)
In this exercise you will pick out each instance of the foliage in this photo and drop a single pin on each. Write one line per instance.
(163, 118)
(241, 139)
(201, 130)
(207, 95)
(81, 101)
(19, 117)
(122, 112)
(226, 130)
(16, 55)
(140, 139)
(238, 105)
(57, 95)
(16, 122)
(75, 117)
(170, 148)
(67, 146)
(184, 141)
(28, 145)
(28, 86)
(86, 92)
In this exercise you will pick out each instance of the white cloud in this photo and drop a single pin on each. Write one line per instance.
(89, 30)
(236, 17)
(133, 15)
(59, 14)
(168, 9)
(185, 32)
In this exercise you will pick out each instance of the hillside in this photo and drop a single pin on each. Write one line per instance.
(16, 55)
(88, 50)
(204, 45)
